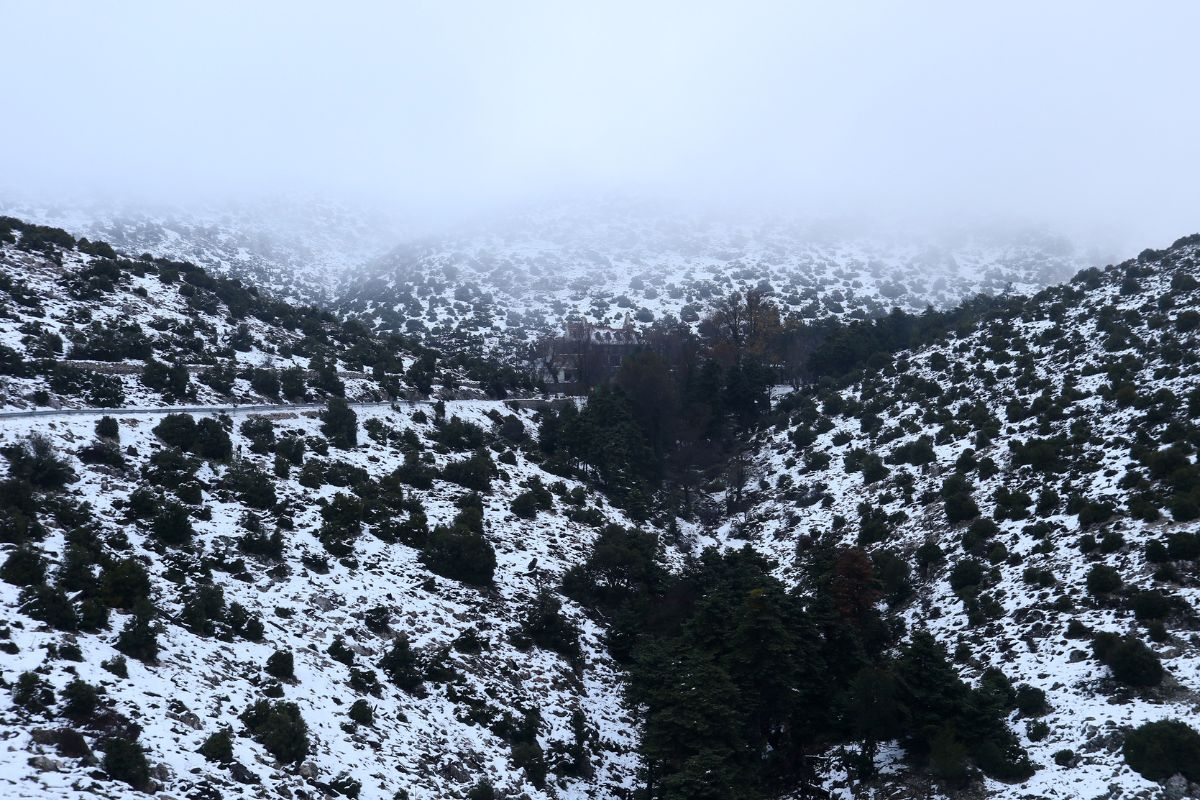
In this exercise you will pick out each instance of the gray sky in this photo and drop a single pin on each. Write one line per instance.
(1080, 115)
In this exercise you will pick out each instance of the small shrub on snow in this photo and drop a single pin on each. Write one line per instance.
(278, 727)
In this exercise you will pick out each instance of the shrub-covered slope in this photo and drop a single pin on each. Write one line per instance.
(247, 607)
(503, 286)
(1029, 492)
(296, 250)
(966, 568)
(82, 325)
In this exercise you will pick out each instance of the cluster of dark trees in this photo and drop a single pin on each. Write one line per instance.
(675, 414)
(744, 683)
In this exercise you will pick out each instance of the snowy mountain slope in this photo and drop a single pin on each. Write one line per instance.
(502, 286)
(79, 323)
(1025, 483)
(435, 740)
(293, 249)
(1069, 421)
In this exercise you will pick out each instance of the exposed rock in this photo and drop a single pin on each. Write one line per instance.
(45, 764)
(1176, 788)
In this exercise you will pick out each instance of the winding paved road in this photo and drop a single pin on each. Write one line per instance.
(526, 402)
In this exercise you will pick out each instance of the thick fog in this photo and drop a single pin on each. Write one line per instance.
(1081, 116)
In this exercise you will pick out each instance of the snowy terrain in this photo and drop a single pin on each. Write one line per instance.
(431, 746)
(95, 321)
(1058, 359)
(1068, 391)
(295, 249)
(503, 285)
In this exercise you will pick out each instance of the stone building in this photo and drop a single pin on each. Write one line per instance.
(586, 355)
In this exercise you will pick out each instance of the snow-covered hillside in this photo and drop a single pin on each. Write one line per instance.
(294, 249)
(1069, 421)
(487, 701)
(505, 284)
(81, 325)
(414, 598)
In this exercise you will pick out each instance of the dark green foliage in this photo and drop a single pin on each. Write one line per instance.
(218, 747)
(1131, 661)
(529, 756)
(107, 428)
(1103, 579)
(917, 453)
(474, 473)
(950, 721)
(291, 383)
(338, 651)
(401, 666)
(1158, 750)
(124, 584)
(895, 577)
(339, 424)
(457, 434)
(606, 439)
(1094, 512)
(203, 609)
(170, 468)
(279, 728)
(621, 569)
(178, 431)
(257, 542)
(51, 605)
(874, 525)
(104, 451)
(291, 448)
(956, 494)
(139, 638)
(241, 623)
(112, 343)
(483, 790)
(966, 575)
(265, 382)
(207, 438)
(720, 682)
(81, 700)
(545, 626)
(23, 567)
(929, 554)
(1151, 605)
(536, 498)
(1183, 546)
(346, 786)
(280, 665)
(948, 757)
(125, 761)
(978, 534)
(172, 525)
(1030, 701)
(1047, 502)
(172, 380)
(36, 462)
(872, 468)
(261, 433)
(252, 485)
(1043, 455)
(460, 552)
(32, 693)
(362, 713)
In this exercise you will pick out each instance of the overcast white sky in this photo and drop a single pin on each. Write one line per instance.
(1076, 114)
